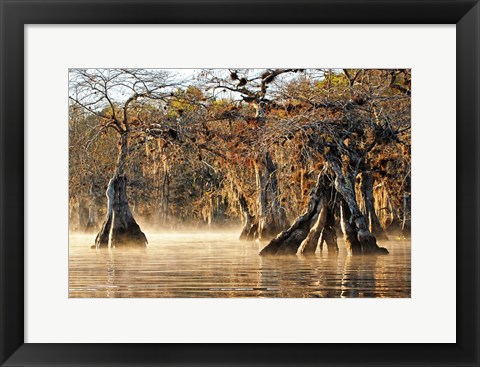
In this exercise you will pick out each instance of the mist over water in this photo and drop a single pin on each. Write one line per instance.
(216, 264)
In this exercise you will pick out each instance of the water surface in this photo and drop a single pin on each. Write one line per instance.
(217, 264)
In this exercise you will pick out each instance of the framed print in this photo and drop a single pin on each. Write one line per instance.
(239, 183)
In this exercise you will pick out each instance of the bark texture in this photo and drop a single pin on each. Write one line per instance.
(249, 225)
(406, 222)
(352, 244)
(304, 234)
(272, 218)
(366, 192)
(353, 221)
(329, 234)
(383, 205)
(310, 243)
(120, 228)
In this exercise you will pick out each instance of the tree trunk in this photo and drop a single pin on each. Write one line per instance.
(162, 172)
(82, 214)
(329, 234)
(165, 191)
(92, 223)
(272, 218)
(290, 240)
(406, 215)
(383, 205)
(103, 237)
(73, 214)
(135, 205)
(310, 243)
(353, 221)
(249, 225)
(366, 188)
(119, 228)
(350, 234)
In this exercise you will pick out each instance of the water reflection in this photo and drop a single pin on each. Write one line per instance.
(216, 264)
(358, 278)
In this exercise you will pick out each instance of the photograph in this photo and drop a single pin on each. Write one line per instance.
(239, 183)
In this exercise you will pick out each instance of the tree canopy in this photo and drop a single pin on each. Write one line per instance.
(228, 146)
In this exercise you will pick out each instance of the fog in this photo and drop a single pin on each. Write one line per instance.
(215, 263)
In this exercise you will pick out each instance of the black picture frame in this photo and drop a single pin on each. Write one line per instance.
(15, 14)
